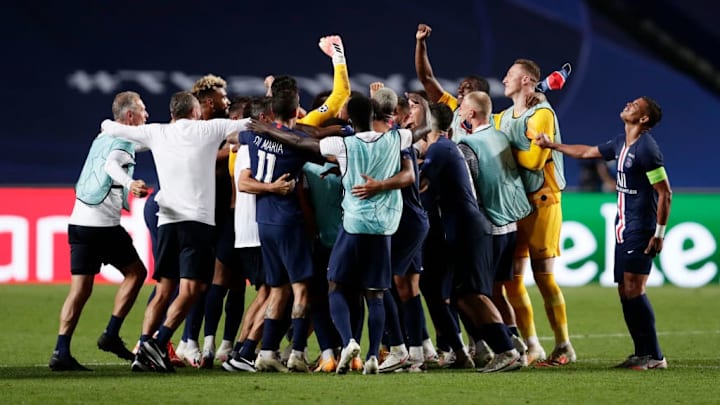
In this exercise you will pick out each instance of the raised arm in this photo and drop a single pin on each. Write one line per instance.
(303, 143)
(422, 65)
(332, 46)
(576, 151)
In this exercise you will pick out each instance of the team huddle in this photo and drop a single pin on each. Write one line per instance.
(357, 209)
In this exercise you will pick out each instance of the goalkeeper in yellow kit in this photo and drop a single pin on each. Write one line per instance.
(538, 234)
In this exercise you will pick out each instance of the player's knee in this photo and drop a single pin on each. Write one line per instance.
(374, 294)
(135, 270)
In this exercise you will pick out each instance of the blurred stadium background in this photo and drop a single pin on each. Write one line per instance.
(65, 60)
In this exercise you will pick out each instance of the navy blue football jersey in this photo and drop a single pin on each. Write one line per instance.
(637, 199)
(269, 160)
(444, 166)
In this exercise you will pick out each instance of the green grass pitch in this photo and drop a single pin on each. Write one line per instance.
(688, 323)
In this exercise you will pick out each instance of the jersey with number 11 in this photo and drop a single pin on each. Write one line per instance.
(269, 160)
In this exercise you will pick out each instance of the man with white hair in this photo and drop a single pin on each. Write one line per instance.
(96, 237)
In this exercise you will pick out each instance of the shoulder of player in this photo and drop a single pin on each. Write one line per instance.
(646, 143)
(543, 113)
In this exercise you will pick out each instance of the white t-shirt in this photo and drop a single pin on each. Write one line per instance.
(335, 146)
(184, 152)
(246, 227)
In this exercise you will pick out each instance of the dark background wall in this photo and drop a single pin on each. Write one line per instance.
(64, 61)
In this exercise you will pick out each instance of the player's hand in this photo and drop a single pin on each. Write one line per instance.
(423, 32)
(259, 127)
(424, 185)
(367, 190)
(534, 99)
(300, 113)
(138, 188)
(542, 140)
(283, 186)
(374, 87)
(269, 79)
(654, 247)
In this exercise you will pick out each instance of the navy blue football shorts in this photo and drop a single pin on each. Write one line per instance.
(361, 261)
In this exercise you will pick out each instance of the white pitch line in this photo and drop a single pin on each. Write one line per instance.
(626, 334)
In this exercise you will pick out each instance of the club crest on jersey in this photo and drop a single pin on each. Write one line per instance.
(629, 161)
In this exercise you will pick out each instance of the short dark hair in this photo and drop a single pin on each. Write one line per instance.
(654, 112)
(237, 105)
(283, 83)
(403, 103)
(182, 104)
(442, 116)
(479, 83)
(355, 93)
(259, 105)
(360, 111)
(285, 104)
(422, 93)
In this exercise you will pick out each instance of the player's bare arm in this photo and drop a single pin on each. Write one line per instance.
(423, 69)
(664, 193)
(288, 138)
(247, 184)
(576, 151)
(404, 178)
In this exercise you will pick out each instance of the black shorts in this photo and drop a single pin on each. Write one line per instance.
(630, 257)
(185, 250)
(93, 246)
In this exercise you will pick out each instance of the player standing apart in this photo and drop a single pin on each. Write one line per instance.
(643, 209)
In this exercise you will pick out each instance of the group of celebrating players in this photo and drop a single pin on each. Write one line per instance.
(362, 204)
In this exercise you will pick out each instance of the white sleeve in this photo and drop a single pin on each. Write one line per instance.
(139, 135)
(243, 158)
(333, 146)
(114, 167)
(406, 138)
(223, 127)
(227, 126)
